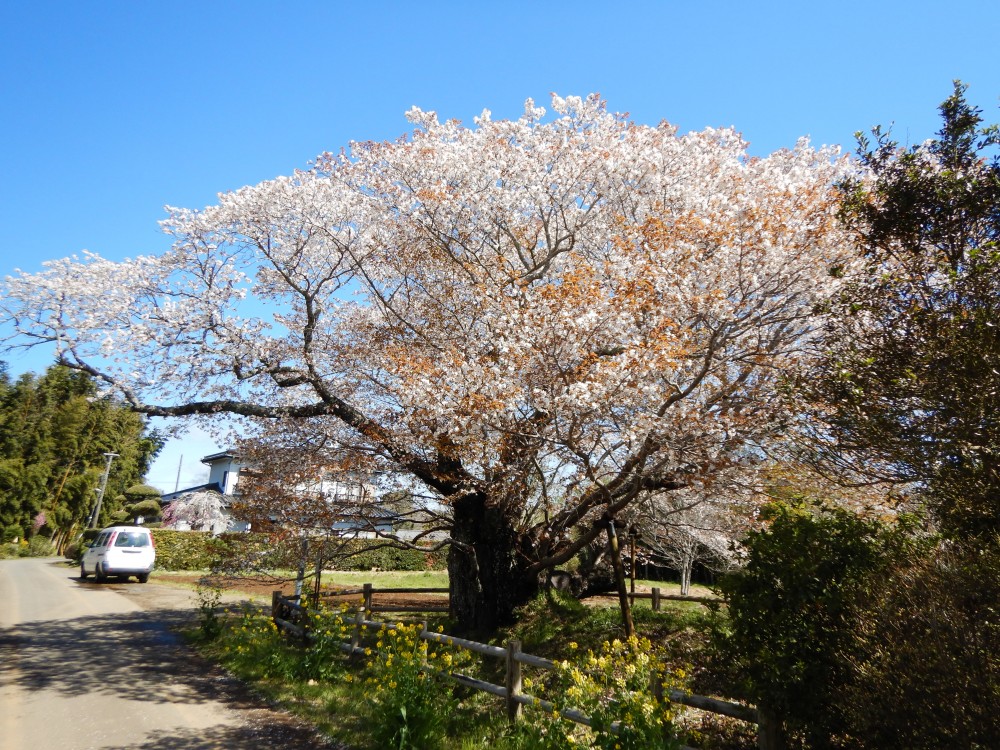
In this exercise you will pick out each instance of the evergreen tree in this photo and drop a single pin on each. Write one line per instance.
(54, 432)
(909, 388)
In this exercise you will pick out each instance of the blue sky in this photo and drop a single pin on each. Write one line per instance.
(113, 109)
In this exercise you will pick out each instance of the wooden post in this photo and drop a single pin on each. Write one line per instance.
(513, 680)
(356, 635)
(770, 734)
(367, 594)
(301, 574)
(616, 560)
(631, 573)
(656, 598)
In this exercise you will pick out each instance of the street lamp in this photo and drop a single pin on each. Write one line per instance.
(100, 490)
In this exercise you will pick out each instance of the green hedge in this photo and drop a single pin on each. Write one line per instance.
(386, 558)
(198, 550)
(184, 550)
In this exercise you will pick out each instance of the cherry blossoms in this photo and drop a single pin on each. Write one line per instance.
(540, 320)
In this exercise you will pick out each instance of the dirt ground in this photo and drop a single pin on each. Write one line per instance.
(260, 590)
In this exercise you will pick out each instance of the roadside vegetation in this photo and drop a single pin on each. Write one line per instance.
(385, 700)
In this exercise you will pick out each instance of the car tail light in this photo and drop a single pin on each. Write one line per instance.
(111, 539)
(152, 540)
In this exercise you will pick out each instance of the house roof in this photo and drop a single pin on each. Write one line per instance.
(213, 457)
(169, 497)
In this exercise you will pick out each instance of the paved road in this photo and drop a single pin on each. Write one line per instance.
(88, 666)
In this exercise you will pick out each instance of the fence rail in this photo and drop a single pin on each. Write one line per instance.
(285, 611)
(368, 591)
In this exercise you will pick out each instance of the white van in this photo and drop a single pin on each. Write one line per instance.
(120, 551)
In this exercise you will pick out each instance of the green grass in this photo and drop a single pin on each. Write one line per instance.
(387, 579)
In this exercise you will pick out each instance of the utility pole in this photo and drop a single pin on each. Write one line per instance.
(177, 482)
(100, 490)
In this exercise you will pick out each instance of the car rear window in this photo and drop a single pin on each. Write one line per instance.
(132, 539)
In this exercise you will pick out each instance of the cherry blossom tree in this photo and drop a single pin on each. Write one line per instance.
(202, 510)
(683, 528)
(540, 320)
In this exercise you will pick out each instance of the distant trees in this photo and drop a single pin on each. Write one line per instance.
(683, 529)
(54, 430)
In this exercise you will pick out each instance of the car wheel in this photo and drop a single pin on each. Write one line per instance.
(83, 573)
(100, 574)
(143, 577)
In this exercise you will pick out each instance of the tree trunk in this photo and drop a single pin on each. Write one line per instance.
(686, 566)
(486, 568)
(616, 560)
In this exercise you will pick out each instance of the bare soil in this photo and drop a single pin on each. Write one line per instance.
(261, 590)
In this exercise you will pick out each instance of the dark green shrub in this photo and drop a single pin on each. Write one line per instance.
(794, 612)
(148, 509)
(73, 551)
(11, 533)
(240, 551)
(927, 665)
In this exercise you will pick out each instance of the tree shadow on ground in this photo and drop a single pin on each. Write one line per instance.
(140, 656)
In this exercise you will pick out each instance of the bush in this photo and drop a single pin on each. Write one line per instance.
(795, 611)
(612, 687)
(357, 554)
(73, 551)
(926, 659)
(185, 550)
(39, 546)
(11, 533)
(414, 709)
(236, 551)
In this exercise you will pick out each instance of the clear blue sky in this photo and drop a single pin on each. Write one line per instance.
(110, 110)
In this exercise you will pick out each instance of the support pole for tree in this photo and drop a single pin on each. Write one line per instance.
(301, 576)
(631, 573)
(616, 561)
(513, 681)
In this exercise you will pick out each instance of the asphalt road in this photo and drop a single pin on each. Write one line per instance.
(87, 666)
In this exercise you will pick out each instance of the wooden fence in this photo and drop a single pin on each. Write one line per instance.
(367, 593)
(292, 617)
(658, 597)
